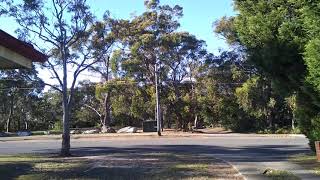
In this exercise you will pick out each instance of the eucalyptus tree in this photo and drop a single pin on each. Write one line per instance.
(152, 45)
(141, 39)
(60, 28)
(182, 56)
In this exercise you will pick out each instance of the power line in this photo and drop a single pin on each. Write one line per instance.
(11, 79)
(20, 88)
(14, 88)
(125, 83)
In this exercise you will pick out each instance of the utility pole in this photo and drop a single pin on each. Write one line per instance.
(157, 100)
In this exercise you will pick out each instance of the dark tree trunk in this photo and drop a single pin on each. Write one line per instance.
(21, 119)
(168, 119)
(272, 122)
(10, 116)
(169, 122)
(185, 126)
(107, 119)
(19, 124)
(161, 119)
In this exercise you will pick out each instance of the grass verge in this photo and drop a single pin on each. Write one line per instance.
(116, 166)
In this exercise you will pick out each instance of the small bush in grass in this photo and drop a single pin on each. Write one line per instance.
(55, 132)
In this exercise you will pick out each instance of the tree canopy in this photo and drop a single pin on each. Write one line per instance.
(266, 82)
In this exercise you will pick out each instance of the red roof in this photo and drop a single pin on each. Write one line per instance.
(21, 47)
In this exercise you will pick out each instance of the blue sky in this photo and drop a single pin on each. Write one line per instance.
(198, 18)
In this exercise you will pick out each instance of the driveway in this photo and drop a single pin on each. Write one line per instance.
(250, 154)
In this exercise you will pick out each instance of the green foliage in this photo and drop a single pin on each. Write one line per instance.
(258, 98)
(57, 126)
(234, 118)
(249, 94)
(131, 103)
(221, 98)
(312, 58)
(281, 39)
(308, 123)
(225, 27)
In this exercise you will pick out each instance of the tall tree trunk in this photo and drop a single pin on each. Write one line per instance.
(292, 123)
(293, 118)
(65, 148)
(9, 117)
(26, 125)
(107, 118)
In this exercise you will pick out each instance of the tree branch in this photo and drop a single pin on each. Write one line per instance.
(55, 73)
(93, 109)
(54, 87)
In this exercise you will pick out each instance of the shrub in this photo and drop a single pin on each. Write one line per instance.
(57, 126)
(309, 122)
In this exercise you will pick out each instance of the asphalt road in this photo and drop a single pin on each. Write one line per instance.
(250, 154)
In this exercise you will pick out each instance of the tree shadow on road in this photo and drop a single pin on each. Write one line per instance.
(261, 153)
